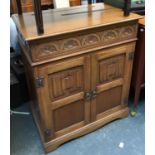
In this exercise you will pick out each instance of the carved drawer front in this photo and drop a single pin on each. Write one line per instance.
(65, 83)
(78, 43)
(111, 68)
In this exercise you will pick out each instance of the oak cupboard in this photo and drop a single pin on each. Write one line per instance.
(79, 70)
(27, 5)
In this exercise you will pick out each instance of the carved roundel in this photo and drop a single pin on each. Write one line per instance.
(90, 39)
(70, 44)
(109, 35)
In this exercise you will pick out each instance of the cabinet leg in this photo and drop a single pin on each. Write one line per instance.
(137, 94)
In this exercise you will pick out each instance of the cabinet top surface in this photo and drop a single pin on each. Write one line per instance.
(62, 21)
(142, 21)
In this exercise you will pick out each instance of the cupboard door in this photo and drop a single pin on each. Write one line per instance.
(63, 95)
(111, 70)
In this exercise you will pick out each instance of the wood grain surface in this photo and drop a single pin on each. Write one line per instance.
(61, 21)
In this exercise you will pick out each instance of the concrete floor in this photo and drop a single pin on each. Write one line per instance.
(104, 141)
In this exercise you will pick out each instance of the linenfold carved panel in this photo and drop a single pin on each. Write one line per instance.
(111, 68)
(66, 46)
(65, 83)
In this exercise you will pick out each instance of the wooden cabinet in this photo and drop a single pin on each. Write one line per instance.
(75, 2)
(27, 5)
(73, 98)
(79, 70)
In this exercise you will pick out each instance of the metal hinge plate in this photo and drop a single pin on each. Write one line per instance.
(39, 82)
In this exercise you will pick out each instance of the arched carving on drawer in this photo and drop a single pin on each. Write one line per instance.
(70, 44)
(91, 39)
(46, 49)
(127, 31)
(110, 35)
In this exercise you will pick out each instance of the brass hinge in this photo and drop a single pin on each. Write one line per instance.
(131, 56)
(39, 82)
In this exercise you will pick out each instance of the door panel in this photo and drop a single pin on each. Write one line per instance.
(68, 115)
(108, 99)
(111, 69)
(65, 84)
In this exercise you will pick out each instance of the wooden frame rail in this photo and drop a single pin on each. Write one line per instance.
(39, 18)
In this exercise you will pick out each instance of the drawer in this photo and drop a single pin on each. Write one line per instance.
(78, 43)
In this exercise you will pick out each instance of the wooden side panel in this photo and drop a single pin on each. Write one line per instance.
(27, 5)
(75, 2)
